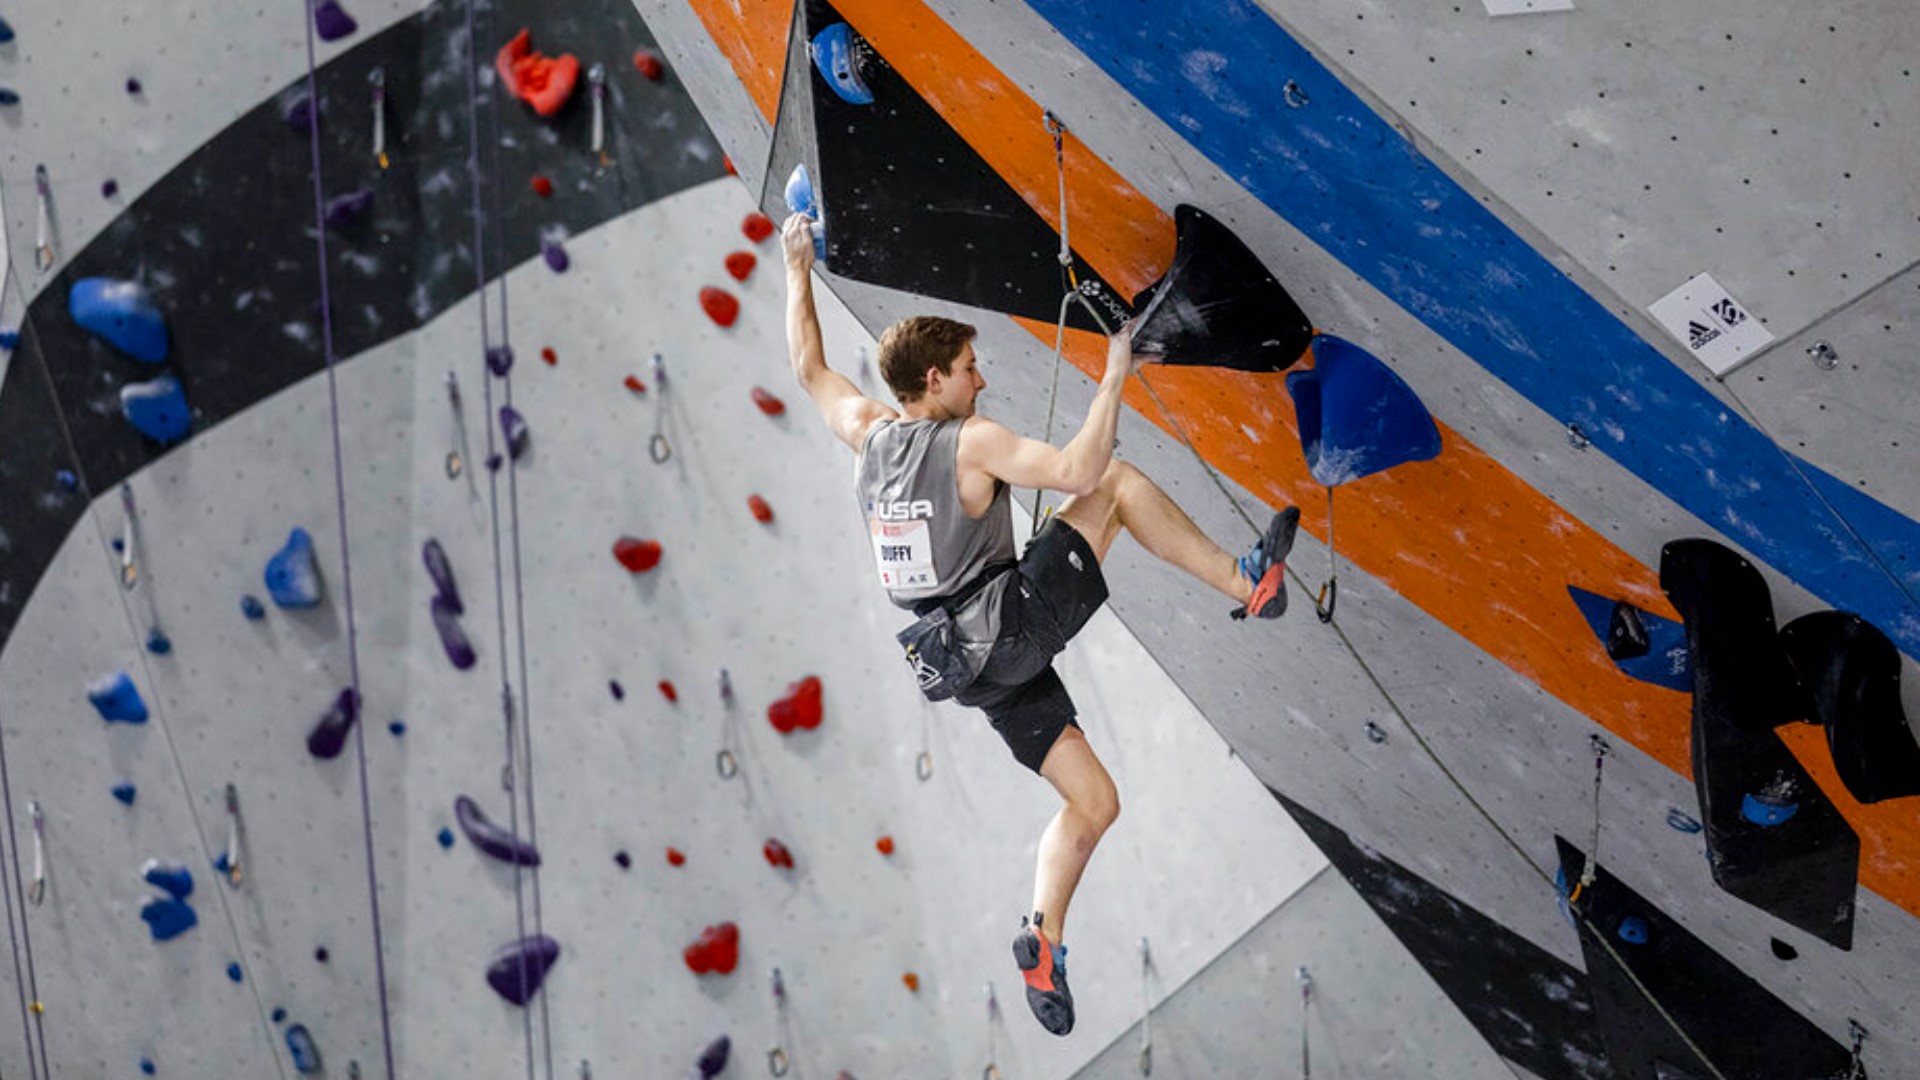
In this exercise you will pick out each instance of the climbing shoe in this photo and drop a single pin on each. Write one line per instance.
(1044, 966)
(1266, 566)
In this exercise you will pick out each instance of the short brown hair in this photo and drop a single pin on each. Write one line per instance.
(911, 346)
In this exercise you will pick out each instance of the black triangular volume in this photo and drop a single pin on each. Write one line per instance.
(793, 133)
(909, 205)
(1218, 305)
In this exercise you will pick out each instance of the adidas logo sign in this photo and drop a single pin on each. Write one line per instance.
(1698, 335)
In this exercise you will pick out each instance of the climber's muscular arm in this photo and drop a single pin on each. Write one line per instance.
(848, 412)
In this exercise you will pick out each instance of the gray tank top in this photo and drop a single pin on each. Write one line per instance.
(924, 544)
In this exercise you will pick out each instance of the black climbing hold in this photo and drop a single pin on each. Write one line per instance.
(133, 85)
(1217, 305)
(1626, 633)
(158, 643)
(1666, 661)
(513, 427)
(500, 360)
(1784, 951)
(619, 692)
(518, 969)
(714, 1057)
(491, 838)
(1852, 672)
(322, 955)
(453, 639)
(623, 859)
(329, 736)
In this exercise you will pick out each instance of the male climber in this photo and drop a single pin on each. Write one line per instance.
(933, 480)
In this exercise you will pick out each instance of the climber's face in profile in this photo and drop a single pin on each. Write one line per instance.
(956, 390)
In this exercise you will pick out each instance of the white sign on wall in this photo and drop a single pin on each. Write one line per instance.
(1525, 7)
(1714, 327)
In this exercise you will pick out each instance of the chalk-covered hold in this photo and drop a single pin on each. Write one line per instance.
(172, 878)
(541, 81)
(293, 577)
(122, 314)
(117, 699)
(157, 408)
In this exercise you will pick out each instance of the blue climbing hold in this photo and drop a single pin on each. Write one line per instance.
(234, 971)
(1681, 821)
(9, 339)
(1666, 662)
(1357, 417)
(293, 578)
(122, 314)
(329, 736)
(514, 427)
(398, 727)
(306, 1055)
(68, 481)
(445, 837)
(6, 32)
(167, 918)
(279, 1015)
(223, 864)
(1768, 811)
(252, 608)
(173, 878)
(147, 1066)
(125, 792)
(157, 643)
(1633, 930)
(836, 52)
(157, 408)
(117, 699)
(800, 200)
(8, 96)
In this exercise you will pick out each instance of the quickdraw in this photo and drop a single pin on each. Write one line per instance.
(1591, 870)
(657, 447)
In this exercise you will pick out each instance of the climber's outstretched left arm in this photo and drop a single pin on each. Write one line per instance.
(847, 411)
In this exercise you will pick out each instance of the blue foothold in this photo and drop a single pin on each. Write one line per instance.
(252, 608)
(279, 1015)
(167, 918)
(1633, 930)
(446, 837)
(9, 339)
(223, 864)
(122, 314)
(124, 792)
(234, 972)
(175, 879)
(158, 408)
(293, 579)
(398, 727)
(67, 480)
(147, 1066)
(306, 1054)
(117, 699)
(6, 32)
(1768, 811)
(158, 643)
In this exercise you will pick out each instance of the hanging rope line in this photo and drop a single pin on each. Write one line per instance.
(346, 560)
(29, 986)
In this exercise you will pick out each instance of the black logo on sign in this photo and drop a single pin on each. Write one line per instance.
(1729, 314)
(1698, 335)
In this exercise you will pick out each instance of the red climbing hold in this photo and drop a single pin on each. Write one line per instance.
(769, 404)
(884, 845)
(912, 981)
(674, 858)
(800, 708)
(716, 950)
(728, 162)
(647, 62)
(634, 384)
(637, 555)
(542, 186)
(552, 358)
(720, 304)
(740, 264)
(762, 513)
(667, 691)
(543, 82)
(777, 854)
(758, 226)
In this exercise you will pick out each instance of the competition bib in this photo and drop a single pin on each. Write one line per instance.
(903, 553)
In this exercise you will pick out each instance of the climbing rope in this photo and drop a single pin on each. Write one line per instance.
(1306, 999)
(346, 561)
(778, 1063)
(1146, 1009)
(32, 1027)
(992, 1071)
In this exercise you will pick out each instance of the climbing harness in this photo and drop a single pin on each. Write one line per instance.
(1329, 594)
(777, 1060)
(37, 890)
(1146, 1010)
(657, 447)
(992, 1071)
(377, 79)
(1591, 870)
(724, 762)
(231, 857)
(597, 91)
(43, 227)
(1306, 998)
(129, 562)
(457, 455)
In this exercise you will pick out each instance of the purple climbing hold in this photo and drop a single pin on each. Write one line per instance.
(491, 838)
(714, 1057)
(555, 254)
(133, 85)
(440, 569)
(167, 918)
(500, 360)
(343, 210)
(331, 21)
(329, 736)
(619, 692)
(518, 969)
(514, 427)
(117, 699)
(299, 114)
(174, 879)
(446, 620)
(109, 188)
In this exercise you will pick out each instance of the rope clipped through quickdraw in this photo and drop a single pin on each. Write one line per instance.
(1306, 999)
(992, 1071)
(1329, 594)
(1146, 1010)
(1591, 870)
(777, 1061)
(657, 447)
(724, 762)
(377, 80)
(43, 253)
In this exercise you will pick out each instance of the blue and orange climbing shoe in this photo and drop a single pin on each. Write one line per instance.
(1044, 966)
(1265, 564)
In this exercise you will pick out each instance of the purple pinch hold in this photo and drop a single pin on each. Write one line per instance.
(446, 620)
(109, 188)
(331, 21)
(518, 969)
(555, 255)
(482, 833)
(440, 569)
(300, 114)
(343, 210)
(714, 1057)
(329, 736)
(514, 427)
(500, 360)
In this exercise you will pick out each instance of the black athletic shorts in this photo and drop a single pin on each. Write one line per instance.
(1059, 588)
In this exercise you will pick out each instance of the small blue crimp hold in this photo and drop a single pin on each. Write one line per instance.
(279, 1015)
(158, 643)
(293, 578)
(398, 727)
(9, 339)
(1767, 811)
(124, 791)
(168, 918)
(305, 1052)
(235, 972)
(67, 480)
(122, 314)
(6, 32)
(117, 699)
(158, 408)
(833, 54)
(446, 838)
(252, 608)
(1633, 930)
(174, 879)
(1681, 821)
(223, 864)
(147, 1066)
